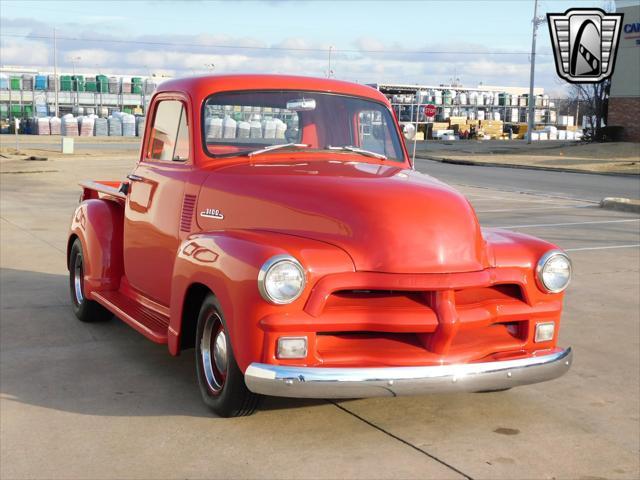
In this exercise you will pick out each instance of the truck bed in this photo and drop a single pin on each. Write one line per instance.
(101, 189)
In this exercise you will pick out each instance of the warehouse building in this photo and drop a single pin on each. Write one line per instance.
(26, 93)
(487, 111)
(624, 100)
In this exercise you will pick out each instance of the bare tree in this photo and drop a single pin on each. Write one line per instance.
(594, 97)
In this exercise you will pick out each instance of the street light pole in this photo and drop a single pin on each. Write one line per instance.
(55, 70)
(74, 82)
(532, 104)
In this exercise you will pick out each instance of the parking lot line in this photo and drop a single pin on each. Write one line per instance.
(607, 247)
(557, 207)
(405, 442)
(569, 224)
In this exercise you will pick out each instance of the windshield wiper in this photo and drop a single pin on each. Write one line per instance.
(277, 147)
(359, 150)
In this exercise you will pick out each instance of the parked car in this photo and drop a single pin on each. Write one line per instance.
(275, 224)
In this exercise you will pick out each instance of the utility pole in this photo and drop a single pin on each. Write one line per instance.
(532, 103)
(55, 71)
(74, 83)
(330, 72)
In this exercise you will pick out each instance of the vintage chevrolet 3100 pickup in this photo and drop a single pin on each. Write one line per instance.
(275, 224)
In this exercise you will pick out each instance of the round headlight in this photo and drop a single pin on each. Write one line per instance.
(281, 279)
(553, 271)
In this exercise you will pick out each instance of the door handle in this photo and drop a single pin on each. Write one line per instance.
(135, 178)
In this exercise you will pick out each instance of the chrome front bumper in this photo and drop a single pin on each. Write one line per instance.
(318, 382)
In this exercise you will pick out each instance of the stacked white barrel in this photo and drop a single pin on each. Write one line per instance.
(229, 126)
(244, 129)
(128, 125)
(140, 122)
(213, 127)
(69, 126)
(100, 127)
(281, 128)
(255, 126)
(43, 126)
(115, 126)
(86, 124)
(268, 128)
(55, 126)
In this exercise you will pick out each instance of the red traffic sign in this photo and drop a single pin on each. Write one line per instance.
(430, 110)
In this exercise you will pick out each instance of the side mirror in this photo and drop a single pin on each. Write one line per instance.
(409, 131)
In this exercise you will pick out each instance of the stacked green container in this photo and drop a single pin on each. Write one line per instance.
(16, 110)
(503, 99)
(90, 84)
(78, 83)
(102, 83)
(128, 110)
(28, 111)
(65, 83)
(4, 110)
(16, 83)
(136, 85)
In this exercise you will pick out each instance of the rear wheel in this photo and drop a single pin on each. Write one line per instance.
(86, 310)
(220, 380)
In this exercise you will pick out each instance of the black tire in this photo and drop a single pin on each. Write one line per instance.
(86, 310)
(220, 380)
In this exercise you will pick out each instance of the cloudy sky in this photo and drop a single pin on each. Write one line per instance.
(427, 42)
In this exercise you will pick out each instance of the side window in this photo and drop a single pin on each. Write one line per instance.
(169, 139)
(374, 133)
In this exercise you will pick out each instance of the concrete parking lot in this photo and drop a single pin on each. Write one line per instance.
(82, 401)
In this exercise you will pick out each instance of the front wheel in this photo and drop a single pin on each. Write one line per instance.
(86, 310)
(220, 380)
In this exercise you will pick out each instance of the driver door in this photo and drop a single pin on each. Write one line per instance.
(154, 201)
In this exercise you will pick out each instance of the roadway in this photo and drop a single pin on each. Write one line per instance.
(89, 401)
(582, 186)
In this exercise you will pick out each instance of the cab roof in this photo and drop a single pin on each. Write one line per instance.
(202, 86)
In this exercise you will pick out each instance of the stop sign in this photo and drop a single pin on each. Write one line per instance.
(430, 110)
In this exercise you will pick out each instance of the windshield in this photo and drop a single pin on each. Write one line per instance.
(238, 123)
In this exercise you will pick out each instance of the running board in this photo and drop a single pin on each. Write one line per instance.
(150, 323)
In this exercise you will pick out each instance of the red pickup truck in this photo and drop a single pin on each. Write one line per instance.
(276, 225)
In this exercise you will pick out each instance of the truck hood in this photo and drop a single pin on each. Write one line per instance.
(387, 219)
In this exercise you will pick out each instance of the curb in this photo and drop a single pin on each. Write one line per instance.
(452, 161)
(620, 204)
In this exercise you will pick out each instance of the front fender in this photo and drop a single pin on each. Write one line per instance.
(509, 249)
(98, 224)
(227, 263)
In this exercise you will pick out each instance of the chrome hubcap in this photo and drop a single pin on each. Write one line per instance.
(213, 353)
(77, 280)
(220, 352)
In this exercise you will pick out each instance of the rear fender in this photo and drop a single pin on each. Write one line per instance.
(227, 263)
(98, 224)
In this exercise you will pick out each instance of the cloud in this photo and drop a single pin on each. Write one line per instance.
(365, 60)
(19, 51)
